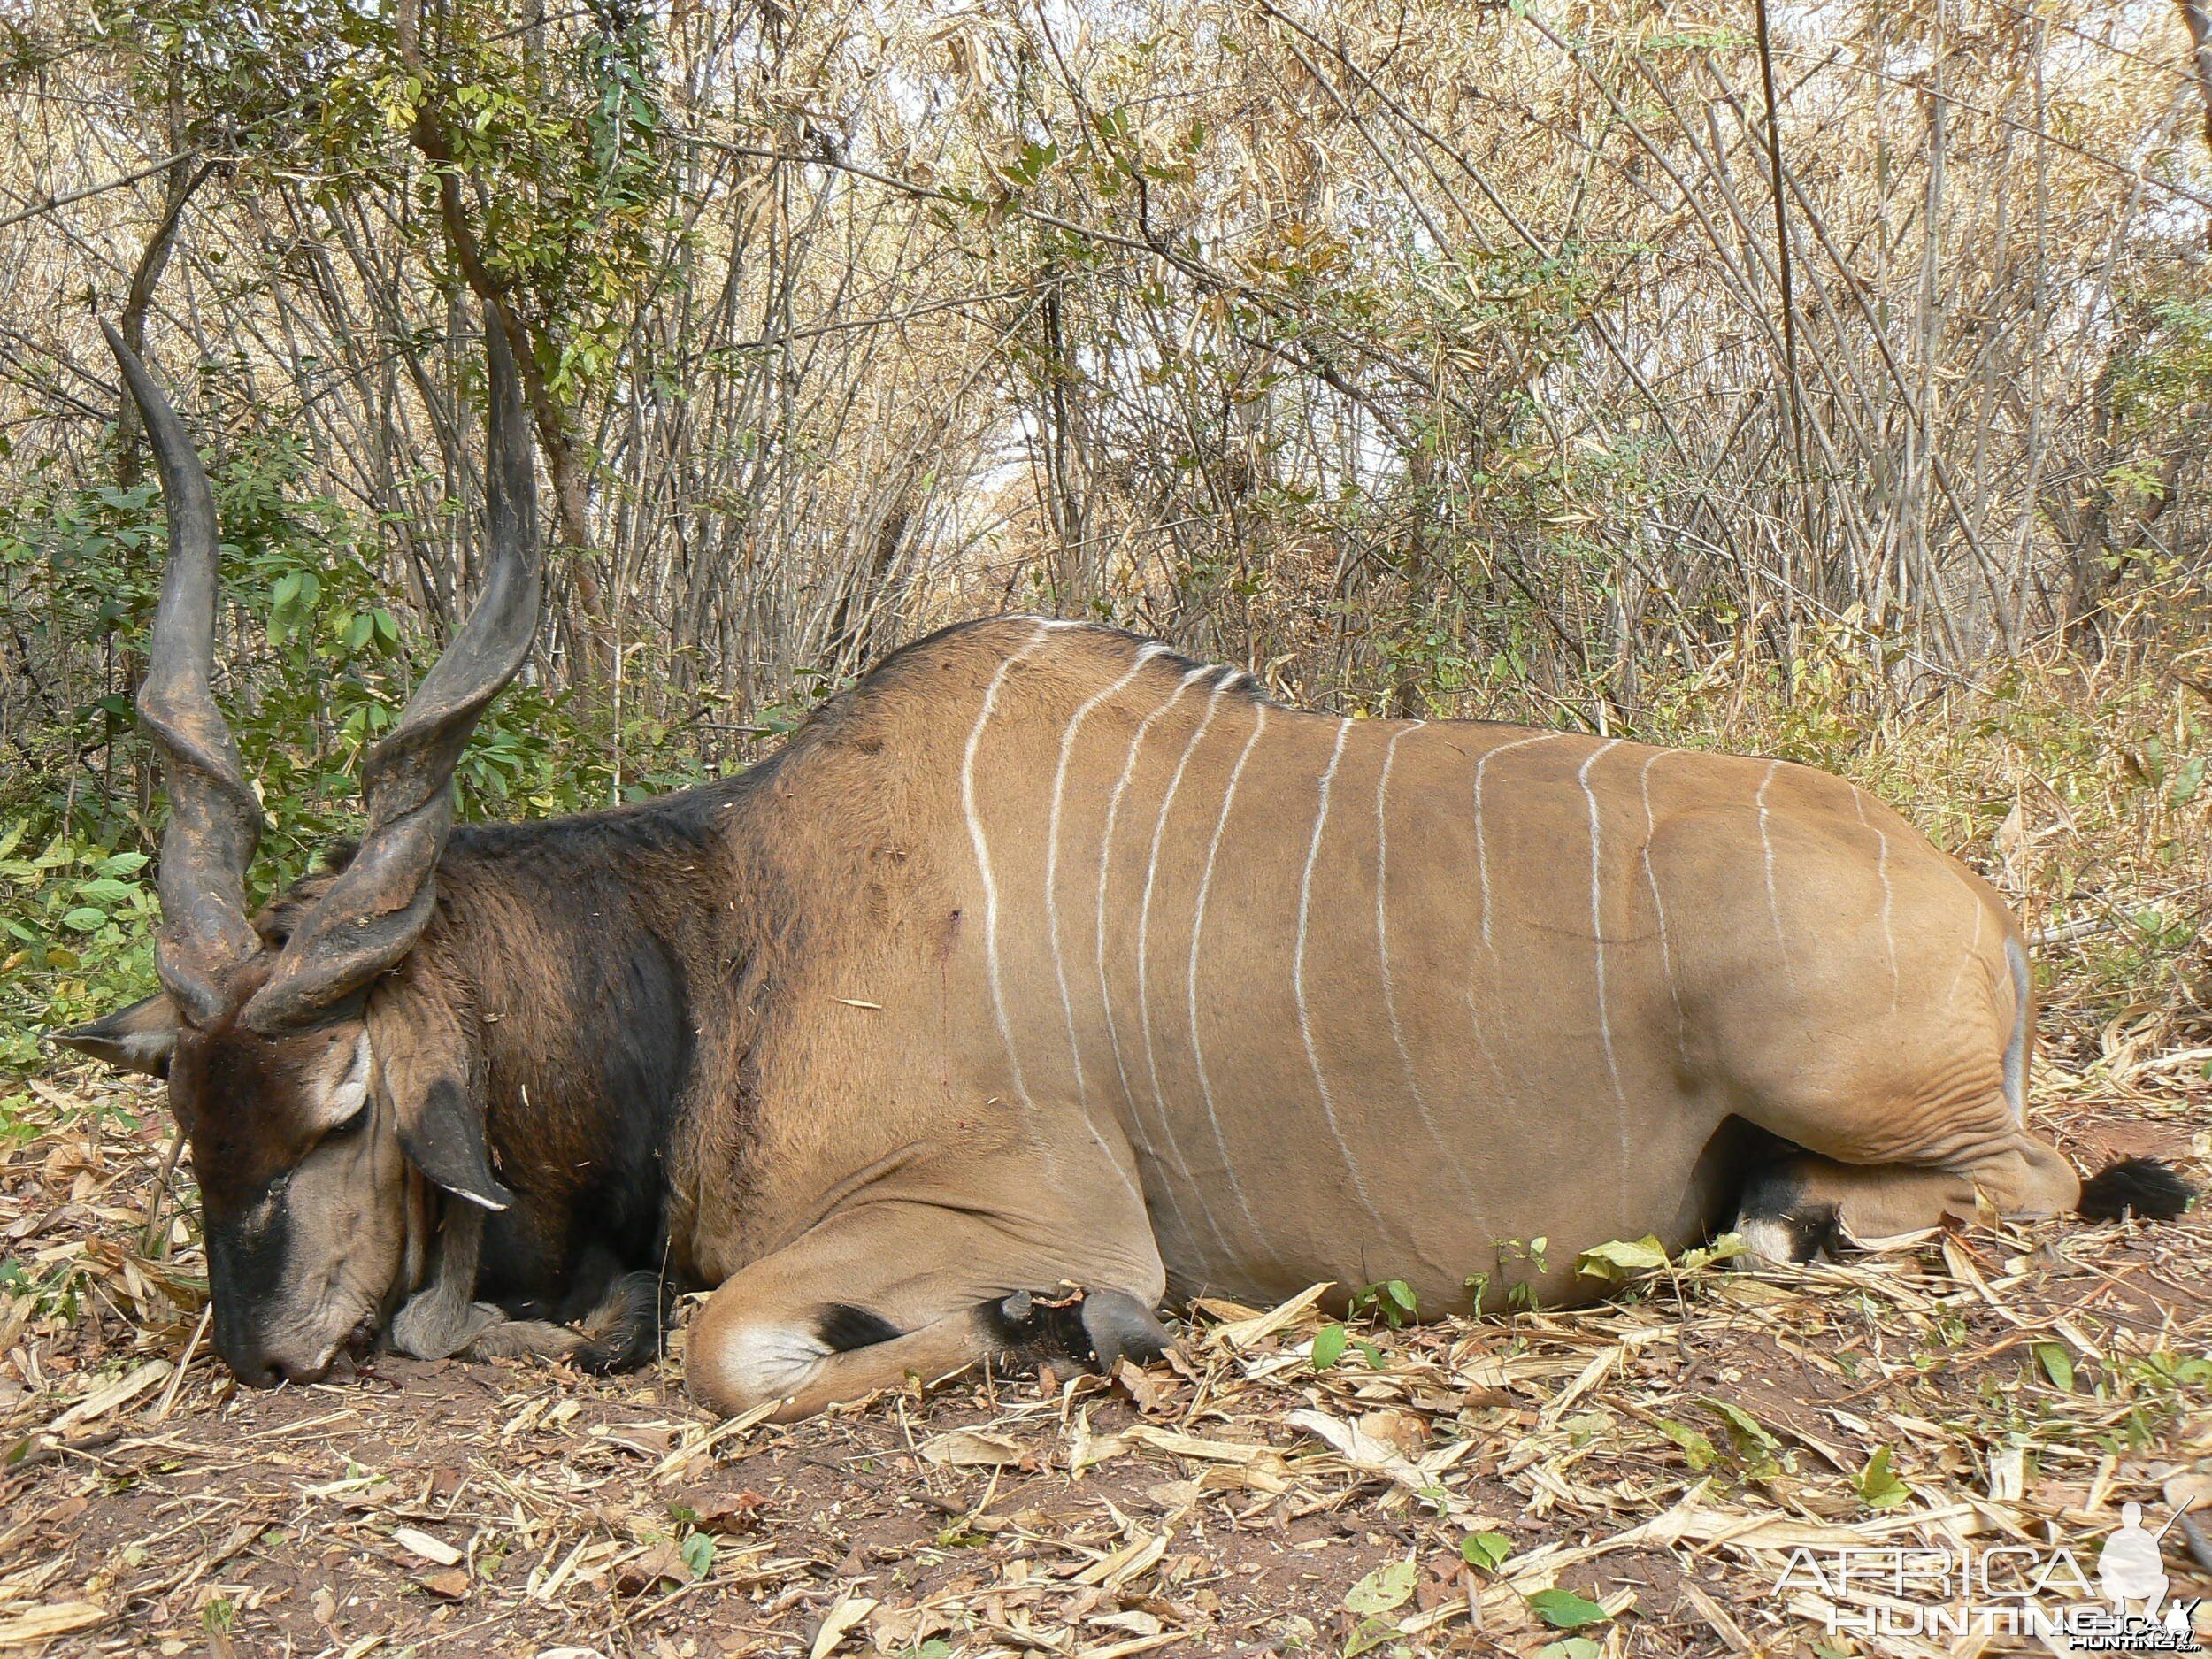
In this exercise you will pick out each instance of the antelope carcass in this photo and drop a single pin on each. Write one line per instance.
(1041, 976)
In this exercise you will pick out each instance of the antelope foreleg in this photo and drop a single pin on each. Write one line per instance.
(867, 1300)
(758, 1357)
(622, 1330)
(444, 1317)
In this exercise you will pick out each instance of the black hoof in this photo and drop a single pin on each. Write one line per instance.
(623, 1331)
(1093, 1329)
(1120, 1328)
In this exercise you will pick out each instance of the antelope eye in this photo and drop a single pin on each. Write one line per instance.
(352, 1125)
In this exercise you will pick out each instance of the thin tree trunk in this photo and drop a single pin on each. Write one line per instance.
(2198, 15)
(179, 180)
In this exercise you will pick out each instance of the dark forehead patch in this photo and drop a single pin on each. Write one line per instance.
(247, 1246)
(243, 1100)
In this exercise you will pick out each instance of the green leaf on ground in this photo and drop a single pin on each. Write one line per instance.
(698, 1552)
(1385, 1588)
(1879, 1488)
(1622, 1258)
(1746, 1430)
(1370, 1634)
(1485, 1550)
(1563, 1609)
(1328, 1346)
(1696, 1449)
(2057, 1365)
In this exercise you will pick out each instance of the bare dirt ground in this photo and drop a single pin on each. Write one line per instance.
(1634, 1478)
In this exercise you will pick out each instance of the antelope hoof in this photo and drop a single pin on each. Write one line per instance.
(1120, 1328)
(1093, 1329)
(1775, 1240)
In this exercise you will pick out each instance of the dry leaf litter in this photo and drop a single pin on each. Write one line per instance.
(1629, 1478)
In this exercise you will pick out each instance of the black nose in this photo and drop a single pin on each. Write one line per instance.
(269, 1373)
(257, 1367)
(249, 1365)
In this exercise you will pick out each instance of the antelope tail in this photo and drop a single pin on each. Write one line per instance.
(2146, 1188)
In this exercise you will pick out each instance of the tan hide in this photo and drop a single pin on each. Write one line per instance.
(1102, 948)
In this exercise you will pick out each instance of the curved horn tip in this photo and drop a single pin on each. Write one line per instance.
(371, 915)
(215, 820)
(132, 365)
(135, 378)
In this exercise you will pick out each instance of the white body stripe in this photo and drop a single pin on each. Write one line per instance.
(983, 859)
(1482, 875)
(1889, 895)
(1382, 952)
(1145, 654)
(1973, 945)
(981, 844)
(1105, 868)
(1144, 996)
(1766, 847)
(1597, 942)
(1190, 984)
(1298, 981)
(1659, 908)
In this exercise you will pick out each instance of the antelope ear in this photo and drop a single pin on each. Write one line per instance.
(422, 1061)
(140, 1038)
(443, 1137)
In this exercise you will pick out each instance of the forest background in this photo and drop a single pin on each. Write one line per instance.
(1835, 383)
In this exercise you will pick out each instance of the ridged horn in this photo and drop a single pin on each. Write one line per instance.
(214, 817)
(378, 906)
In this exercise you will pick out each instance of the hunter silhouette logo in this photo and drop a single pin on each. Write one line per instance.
(2130, 1569)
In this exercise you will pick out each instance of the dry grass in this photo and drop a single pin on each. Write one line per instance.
(1227, 1504)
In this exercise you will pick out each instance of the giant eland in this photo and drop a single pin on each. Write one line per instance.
(1041, 977)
